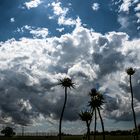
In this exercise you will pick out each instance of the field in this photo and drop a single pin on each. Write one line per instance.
(65, 138)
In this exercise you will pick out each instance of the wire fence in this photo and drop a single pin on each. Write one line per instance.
(37, 134)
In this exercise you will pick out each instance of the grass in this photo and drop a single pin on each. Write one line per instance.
(65, 138)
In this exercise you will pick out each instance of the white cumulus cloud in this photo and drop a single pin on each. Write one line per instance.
(40, 32)
(32, 4)
(12, 19)
(125, 6)
(58, 10)
(95, 6)
(36, 32)
(61, 13)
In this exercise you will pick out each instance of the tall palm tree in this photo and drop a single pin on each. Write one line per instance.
(65, 83)
(92, 93)
(96, 102)
(87, 117)
(130, 71)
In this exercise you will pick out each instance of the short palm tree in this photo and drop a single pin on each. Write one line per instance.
(130, 71)
(65, 83)
(87, 117)
(96, 102)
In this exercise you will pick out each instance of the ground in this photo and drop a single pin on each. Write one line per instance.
(65, 138)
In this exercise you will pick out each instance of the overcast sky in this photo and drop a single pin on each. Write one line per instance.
(92, 41)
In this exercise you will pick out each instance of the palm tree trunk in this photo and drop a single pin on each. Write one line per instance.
(132, 106)
(101, 123)
(60, 123)
(95, 123)
(88, 130)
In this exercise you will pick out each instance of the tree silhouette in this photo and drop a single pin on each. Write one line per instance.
(130, 71)
(8, 131)
(96, 102)
(87, 117)
(65, 83)
(92, 93)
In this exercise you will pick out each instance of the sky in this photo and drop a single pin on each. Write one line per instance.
(91, 41)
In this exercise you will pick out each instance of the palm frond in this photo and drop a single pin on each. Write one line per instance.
(66, 82)
(97, 100)
(130, 71)
(85, 115)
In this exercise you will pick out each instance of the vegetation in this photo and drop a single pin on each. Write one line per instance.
(87, 117)
(8, 132)
(96, 102)
(108, 137)
(130, 71)
(92, 93)
(65, 83)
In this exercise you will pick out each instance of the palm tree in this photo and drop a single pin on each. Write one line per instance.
(92, 93)
(96, 102)
(130, 71)
(87, 117)
(65, 83)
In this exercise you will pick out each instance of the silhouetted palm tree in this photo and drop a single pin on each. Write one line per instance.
(130, 71)
(96, 103)
(87, 117)
(92, 93)
(65, 83)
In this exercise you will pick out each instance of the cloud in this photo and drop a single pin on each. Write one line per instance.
(32, 4)
(58, 10)
(40, 32)
(128, 18)
(12, 19)
(129, 24)
(118, 109)
(61, 13)
(35, 32)
(95, 6)
(30, 69)
(121, 106)
(137, 8)
(66, 21)
(60, 29)
(138, 20)
(124, 21)
(125, 6)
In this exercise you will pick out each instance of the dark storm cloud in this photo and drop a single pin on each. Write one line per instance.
(14, 96)
(19, 100)
(108, 57)
(119, 108)
(110, 63)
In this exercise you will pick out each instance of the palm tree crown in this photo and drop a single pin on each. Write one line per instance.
(66, 82)
(93, 92)
(97, 99)
(130, 71)
(85, 116)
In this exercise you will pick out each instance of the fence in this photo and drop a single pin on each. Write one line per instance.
(37, 134)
